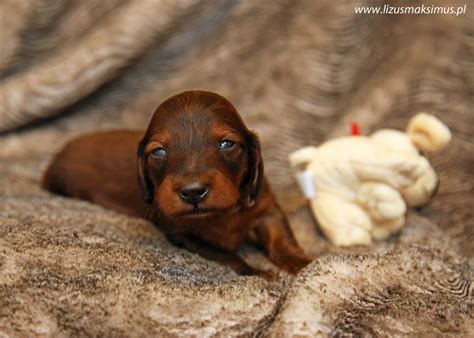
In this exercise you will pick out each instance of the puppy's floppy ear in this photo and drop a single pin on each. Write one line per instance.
(144, 182)
(253, 182)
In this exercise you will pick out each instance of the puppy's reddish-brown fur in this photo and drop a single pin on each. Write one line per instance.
(200, 174)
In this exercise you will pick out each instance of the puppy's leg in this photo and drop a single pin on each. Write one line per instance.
(273, 233)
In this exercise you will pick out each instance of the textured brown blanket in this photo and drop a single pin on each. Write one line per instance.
(299, 72)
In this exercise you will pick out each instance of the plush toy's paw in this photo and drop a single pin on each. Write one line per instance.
(343, 222)
(385, 207)
(381, 201)
(302, 157)
(422, 190)
(384, 230)
(352, 235)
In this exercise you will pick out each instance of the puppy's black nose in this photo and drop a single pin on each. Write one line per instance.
(193, 193)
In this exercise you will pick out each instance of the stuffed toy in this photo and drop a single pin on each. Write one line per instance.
(359, 187)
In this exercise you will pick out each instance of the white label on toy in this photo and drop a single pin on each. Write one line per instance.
(305, 181)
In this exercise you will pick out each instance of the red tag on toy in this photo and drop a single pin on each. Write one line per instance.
(355, 130)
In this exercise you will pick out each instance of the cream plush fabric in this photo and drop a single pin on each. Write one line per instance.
(363, 184)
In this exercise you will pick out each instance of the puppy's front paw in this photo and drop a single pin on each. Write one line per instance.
(289, 258)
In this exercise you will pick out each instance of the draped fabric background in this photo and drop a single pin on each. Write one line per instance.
(299, 72)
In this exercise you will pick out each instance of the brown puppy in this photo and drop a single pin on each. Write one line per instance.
(200, 173)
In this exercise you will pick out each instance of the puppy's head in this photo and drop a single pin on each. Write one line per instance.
(198, 160)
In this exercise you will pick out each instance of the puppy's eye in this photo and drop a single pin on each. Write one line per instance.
(158, 152)
(226, 144)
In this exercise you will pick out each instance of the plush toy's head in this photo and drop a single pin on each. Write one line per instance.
(426, 134)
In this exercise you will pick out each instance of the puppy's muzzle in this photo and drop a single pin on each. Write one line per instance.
(193, 193)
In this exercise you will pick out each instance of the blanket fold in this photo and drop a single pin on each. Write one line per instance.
(299, 72)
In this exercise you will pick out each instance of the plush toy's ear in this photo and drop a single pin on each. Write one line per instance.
(252, 184)
(144, 182)
(428, 133)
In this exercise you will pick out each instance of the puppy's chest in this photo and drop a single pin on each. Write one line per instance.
(227, 233)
